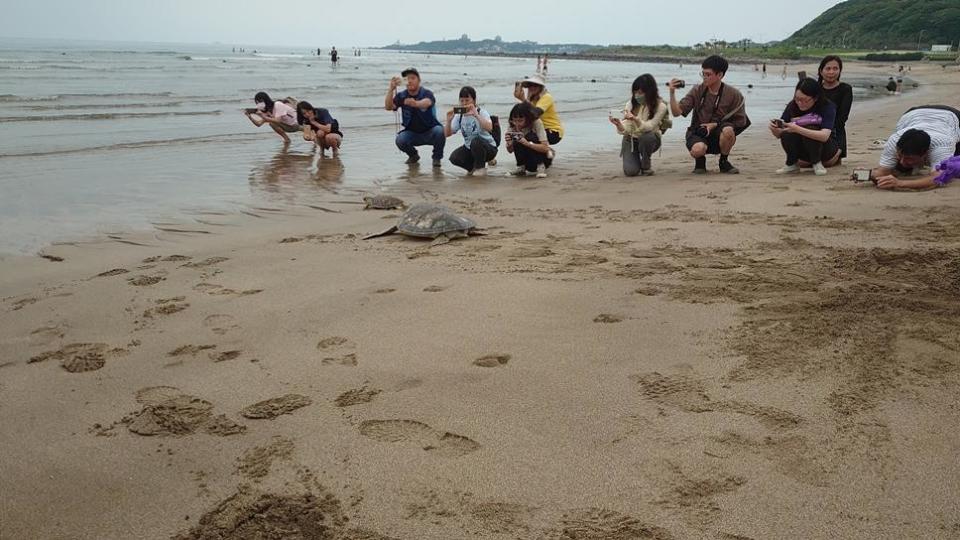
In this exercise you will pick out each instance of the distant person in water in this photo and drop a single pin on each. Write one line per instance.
(476, 125)
(643, 121)
(925, 137)
(840, 93)
(805, 130)
(417, 106)
(527, 140)
(533, 90)
(719, 115)
(319, 127)
(281, 117)
(764, 70)
(334, 55)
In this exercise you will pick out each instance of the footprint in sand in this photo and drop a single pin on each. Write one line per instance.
(145, 281)
(80, 357)
(205, 263)
(356, 396)
(220, 324)
(492, 360)
(192, 350)
(603, 524)
(219, 290)
(384, 291)
(165, 309)
(255, 463)
(607, 318)
(345, 360)
(333, 343)
(114, 272)
(169, 412)
(47, 334)
(444, 444)
(435, 288)
(225, 356)
(274, 407)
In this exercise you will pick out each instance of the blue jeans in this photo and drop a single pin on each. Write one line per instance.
(407, 141)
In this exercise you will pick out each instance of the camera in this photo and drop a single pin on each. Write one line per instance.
(701, 132)
(460, 110)
(680, 84)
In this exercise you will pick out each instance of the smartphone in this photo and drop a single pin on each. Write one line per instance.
(802, 75)
(680, 84)
(777, 122)
(861, 175)
(460, 110)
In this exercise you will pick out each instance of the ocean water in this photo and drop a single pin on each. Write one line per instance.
(100, 137)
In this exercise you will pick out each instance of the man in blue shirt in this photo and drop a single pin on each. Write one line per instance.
(418, 109)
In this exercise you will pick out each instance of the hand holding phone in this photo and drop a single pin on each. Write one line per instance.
(777, 122)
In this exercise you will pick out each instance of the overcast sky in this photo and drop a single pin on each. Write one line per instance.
(350, 23)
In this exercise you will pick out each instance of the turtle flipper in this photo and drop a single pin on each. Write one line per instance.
(389, 231)
(440, 240)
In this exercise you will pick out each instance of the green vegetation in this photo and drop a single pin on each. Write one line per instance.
(882, 25)
(465, 45)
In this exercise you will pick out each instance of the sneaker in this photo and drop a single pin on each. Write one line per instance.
(519, 171)
(492, 162)
(646, 172)
(437, 164)
(479, 172)
(541, 171)
(412, 160)
(819, 169)
(728, 168)
(787, 169)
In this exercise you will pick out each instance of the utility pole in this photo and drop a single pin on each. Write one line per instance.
(918, 38)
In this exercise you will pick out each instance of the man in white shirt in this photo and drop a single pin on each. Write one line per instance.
(925, 136)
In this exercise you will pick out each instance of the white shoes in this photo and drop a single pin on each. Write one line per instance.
(541, 171)
(479, 172)
(787, 169)
(819, 169)
(519, 171)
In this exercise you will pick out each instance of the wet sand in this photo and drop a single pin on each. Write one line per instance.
(723, 357)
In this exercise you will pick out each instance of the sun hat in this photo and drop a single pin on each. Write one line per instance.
(534, 79)
(410, 71)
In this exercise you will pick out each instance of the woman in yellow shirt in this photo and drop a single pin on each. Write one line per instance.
(538, 96)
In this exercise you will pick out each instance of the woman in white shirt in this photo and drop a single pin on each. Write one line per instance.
(279, 115)
(644, 121)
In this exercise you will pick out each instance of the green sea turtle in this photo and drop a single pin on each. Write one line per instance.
(382, 202)
(426, 220)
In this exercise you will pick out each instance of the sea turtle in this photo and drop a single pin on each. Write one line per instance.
(426, 220)
(382, 202)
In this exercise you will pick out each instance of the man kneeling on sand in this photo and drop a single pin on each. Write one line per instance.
(925, 137)
(719, 115)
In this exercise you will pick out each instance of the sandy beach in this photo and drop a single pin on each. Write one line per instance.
(723, 357)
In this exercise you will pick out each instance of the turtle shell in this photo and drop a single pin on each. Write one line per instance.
(383, 202)
(431, 220)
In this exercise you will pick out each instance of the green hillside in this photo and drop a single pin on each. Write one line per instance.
(883, 24)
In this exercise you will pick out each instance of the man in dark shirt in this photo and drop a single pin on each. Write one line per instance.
(419, 117)
(719, 115)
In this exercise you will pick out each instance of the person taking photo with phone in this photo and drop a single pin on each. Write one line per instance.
(476, 125)
(805, 130)
(925, 137)
(527, 140)
(719, 115)
(417, 106)
(642, 122)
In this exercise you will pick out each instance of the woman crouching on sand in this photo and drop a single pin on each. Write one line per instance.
(644, 121)
(281, 116)
(537, 95)
(319, 127)
(527, 140)
(805, 130)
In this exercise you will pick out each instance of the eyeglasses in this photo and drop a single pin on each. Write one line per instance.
(706, 74)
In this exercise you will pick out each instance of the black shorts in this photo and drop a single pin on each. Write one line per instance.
(712, 141)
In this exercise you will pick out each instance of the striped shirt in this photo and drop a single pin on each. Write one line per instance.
(943, 126)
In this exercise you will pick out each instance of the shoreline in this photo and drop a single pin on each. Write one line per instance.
(672, 356)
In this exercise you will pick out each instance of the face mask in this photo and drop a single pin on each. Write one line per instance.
(261, 106)
(638, 96)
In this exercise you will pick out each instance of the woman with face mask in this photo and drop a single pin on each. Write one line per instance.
(281, 117)
(840, 93)
(476, 125)
(805, 130)
(644, 120)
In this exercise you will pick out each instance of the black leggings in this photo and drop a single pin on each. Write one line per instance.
(474, 157)
(528, 157)
(803, 148)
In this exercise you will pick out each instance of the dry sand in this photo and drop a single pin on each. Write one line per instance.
(723, 357)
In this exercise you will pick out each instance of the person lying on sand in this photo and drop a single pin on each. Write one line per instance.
(925, 136)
